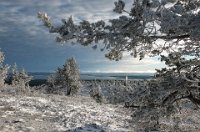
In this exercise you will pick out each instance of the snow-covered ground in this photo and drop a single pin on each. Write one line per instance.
(40, 112)
(60, 113)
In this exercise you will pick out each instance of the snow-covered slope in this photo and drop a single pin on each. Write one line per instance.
(41, 112)
(59, 113)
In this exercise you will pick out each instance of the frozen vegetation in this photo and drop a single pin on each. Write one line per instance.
(165, 28)
(38, 111)
(61, 113)
(169, 102)
(97, 106)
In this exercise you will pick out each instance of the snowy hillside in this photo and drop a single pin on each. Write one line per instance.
(38, 112)
(60, 113)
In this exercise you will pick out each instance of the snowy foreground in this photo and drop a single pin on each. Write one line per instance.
(60, 113)
(57, 113)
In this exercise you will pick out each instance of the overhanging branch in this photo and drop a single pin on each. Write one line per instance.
(170, 37)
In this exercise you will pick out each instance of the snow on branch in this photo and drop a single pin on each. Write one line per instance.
(146, 22)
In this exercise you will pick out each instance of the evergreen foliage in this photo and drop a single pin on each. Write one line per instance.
(96, 92)
(67, 78)
(139, 30)
(20, 79)
(153, 28)
(3, 69)
(176, 22)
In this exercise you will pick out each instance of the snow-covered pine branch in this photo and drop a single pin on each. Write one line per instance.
(140, 32)
(174, 21)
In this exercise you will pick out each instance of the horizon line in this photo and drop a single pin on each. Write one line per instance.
(83, 72)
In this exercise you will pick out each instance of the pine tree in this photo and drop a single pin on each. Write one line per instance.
(150, 28)
(3, 69)
(15, 73)
(20, 79)
(67, 77)
(138, 30)
(74, 76)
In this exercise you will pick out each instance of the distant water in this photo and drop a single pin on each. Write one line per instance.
(100, 76)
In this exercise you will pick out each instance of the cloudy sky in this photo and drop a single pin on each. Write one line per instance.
(25, 41)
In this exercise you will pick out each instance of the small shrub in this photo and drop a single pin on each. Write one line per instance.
(96, 93)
